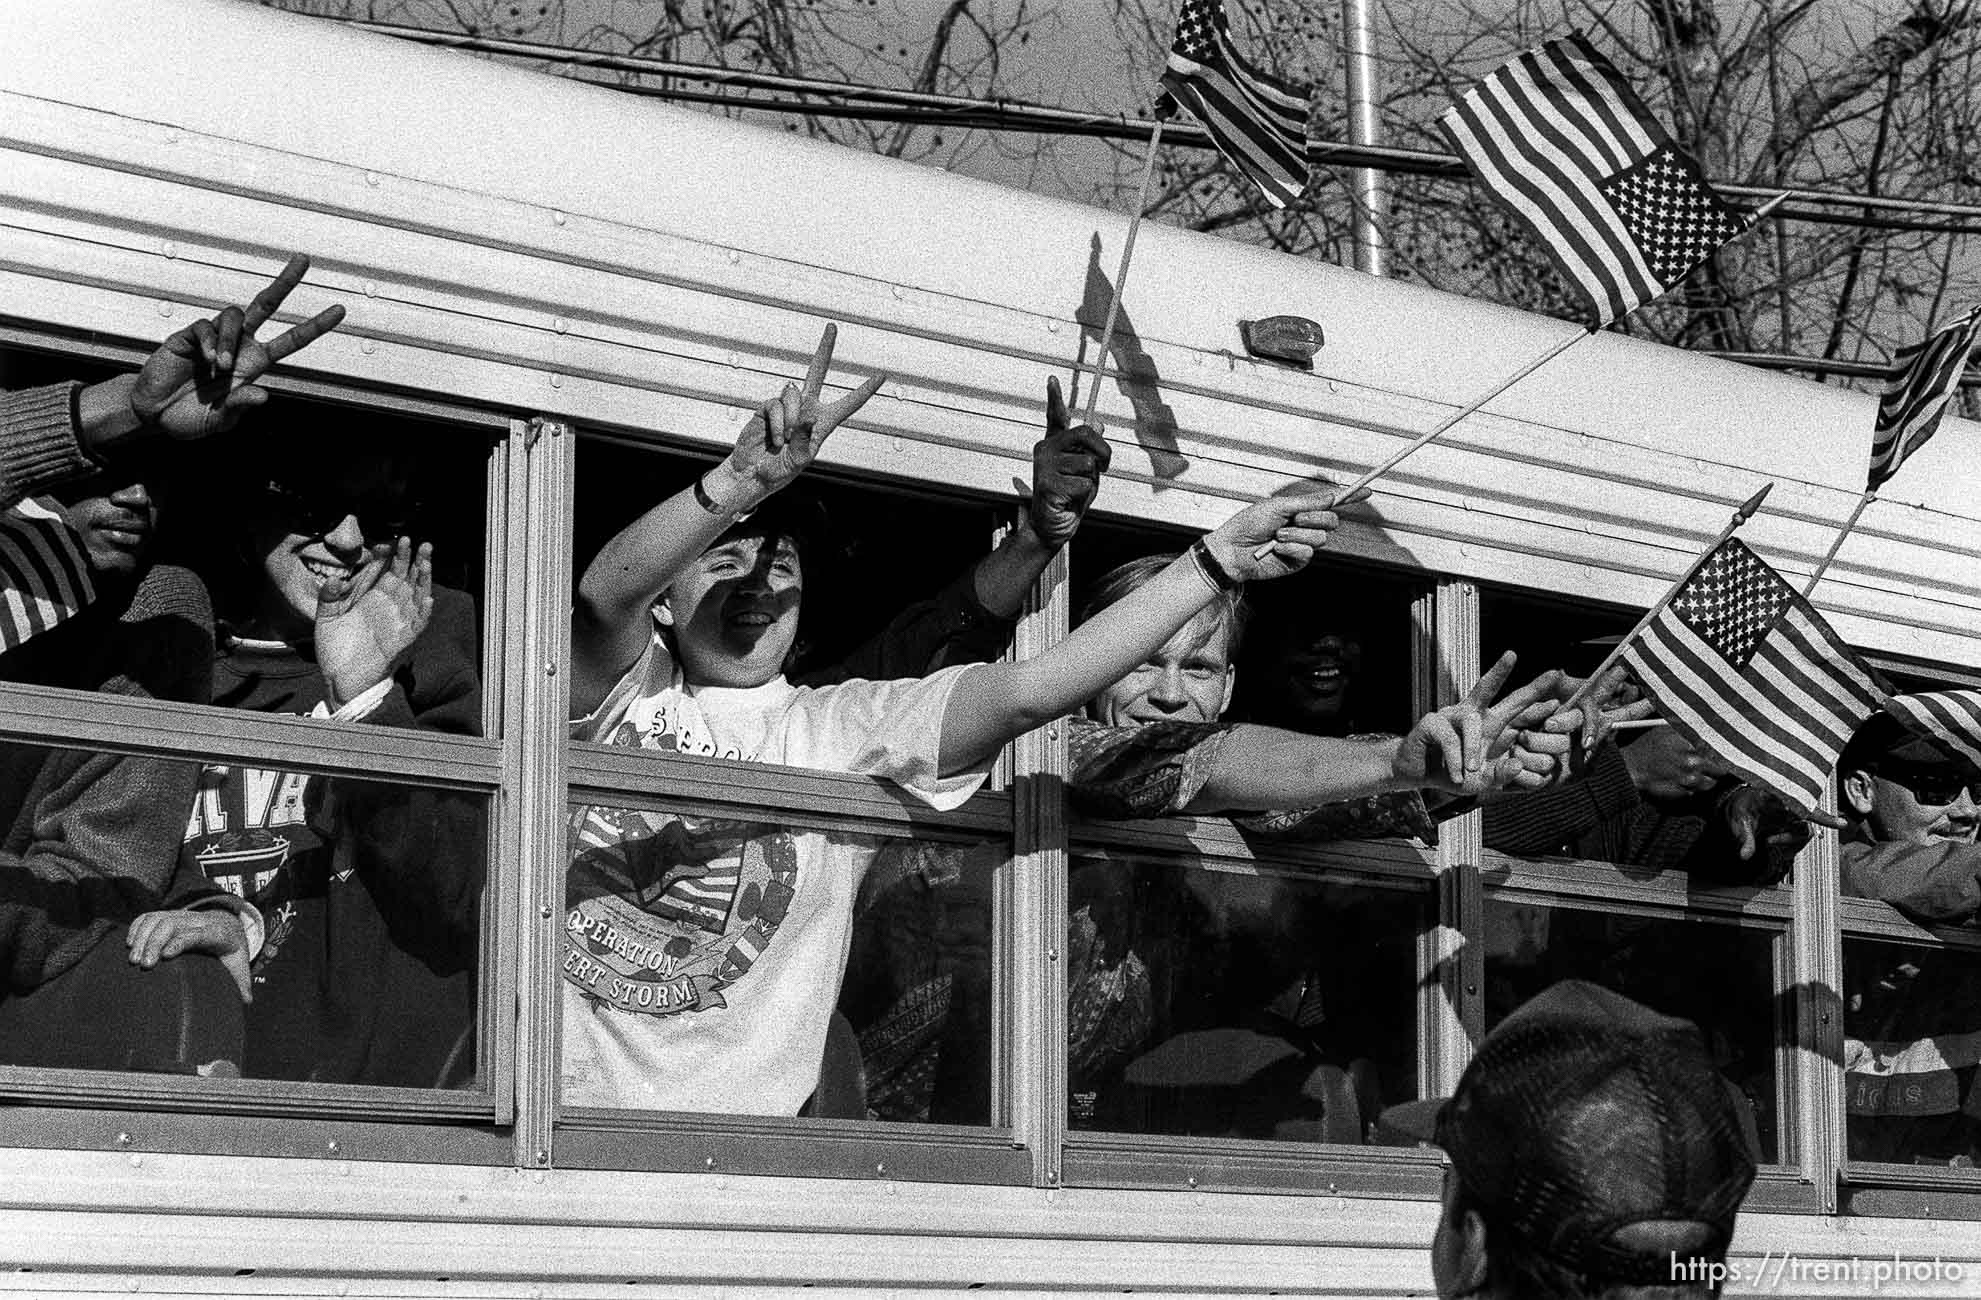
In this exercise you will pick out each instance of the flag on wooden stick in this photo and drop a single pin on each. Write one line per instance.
(1953, 718)
(44, 576)
(1923, 379)
(1750, 673)
(1257, 121)
(1559, 138)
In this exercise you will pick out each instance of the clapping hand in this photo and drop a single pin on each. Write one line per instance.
(201, 379)
(365, 622)
(785, 434)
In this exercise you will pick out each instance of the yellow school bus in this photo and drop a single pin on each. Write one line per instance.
(562, 303)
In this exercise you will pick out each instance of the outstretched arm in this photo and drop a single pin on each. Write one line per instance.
(1466, 748)
(992, 703)
(609, 628)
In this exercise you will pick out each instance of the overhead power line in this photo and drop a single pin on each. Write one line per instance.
(810, 96)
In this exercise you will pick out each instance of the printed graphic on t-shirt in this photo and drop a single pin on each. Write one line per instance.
(251, 834)
(664, 912)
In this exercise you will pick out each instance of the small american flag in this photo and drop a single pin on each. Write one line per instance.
(44, 577)
(1922, 382)
(1951, 717)
(1742, 665)
(1257, 121)
(1558, 137)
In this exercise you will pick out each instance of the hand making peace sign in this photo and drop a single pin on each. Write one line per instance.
(1480, 746)
(202, 378)
(785, 434)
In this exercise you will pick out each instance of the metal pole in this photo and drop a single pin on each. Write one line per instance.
(1368, 186)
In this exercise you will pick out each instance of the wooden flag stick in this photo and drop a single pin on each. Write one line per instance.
(1121, 273)
(1837, 545)
(1390, 464)
(1453, 419)
(1740, 517)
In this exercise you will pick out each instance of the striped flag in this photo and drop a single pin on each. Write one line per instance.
(44, 576)
(1750, 673)
(1558, 137)
(1953, 718)
(1257, 121)
(1922, 382)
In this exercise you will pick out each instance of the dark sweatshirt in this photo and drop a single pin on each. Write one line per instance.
(370, 892)
(90, 838)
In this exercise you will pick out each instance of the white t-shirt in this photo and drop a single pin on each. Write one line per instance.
(702, 956)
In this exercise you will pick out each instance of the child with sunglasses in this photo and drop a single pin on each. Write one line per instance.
(369, 892)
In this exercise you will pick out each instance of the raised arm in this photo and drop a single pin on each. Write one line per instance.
(609, 627)
(992, 703)
(970, 620)
(1067, 465)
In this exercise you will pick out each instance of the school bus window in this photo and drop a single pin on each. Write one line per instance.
(226, 920)
(1718, 975)
(1327, 652)
(1912, 1049)
(804, 635)
(1229, 1001)
(878, 584)
(1646, 799)
(702, 960)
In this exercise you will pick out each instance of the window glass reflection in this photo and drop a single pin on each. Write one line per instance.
(703, 957)
(1234, 1003)
(165, 915)
(1912, 1045)
(1719, 976)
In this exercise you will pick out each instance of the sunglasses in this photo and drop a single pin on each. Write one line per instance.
(1931, 783)
(314, 515)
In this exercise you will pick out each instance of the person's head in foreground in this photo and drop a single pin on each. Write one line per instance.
(1187, 680)
(1595, 1152)
(1896, 786)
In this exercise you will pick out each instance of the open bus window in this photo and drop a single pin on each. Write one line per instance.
(1647, 800)
(348, 908)
(702, 967)
(1327, 652)
(1912, 1054)
(1218, 1001)
(882, 582)
(290, 506)
(1717, 975)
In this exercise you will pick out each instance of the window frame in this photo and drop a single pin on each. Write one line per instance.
(102, 1110)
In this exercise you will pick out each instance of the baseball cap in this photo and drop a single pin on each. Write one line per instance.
(1884, 736)
(1597, 1131)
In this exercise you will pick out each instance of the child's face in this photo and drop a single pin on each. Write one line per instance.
(734, 611)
